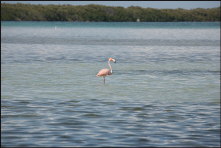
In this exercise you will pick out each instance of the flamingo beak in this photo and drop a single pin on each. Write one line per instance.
(114, 60)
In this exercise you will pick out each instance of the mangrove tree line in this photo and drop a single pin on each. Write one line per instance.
(30, 12)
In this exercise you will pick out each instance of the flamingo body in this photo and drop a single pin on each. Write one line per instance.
(104, 72)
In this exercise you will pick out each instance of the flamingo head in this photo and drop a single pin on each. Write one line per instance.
(111, 59)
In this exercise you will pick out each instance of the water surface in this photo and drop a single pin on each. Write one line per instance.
(164, 91)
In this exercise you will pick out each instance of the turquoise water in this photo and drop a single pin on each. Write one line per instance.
(114, 24)
(164, 91)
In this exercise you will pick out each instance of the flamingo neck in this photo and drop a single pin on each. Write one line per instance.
(110, 66)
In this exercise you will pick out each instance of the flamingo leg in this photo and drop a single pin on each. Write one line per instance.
(104, 80)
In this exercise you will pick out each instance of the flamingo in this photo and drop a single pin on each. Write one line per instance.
(105, 72)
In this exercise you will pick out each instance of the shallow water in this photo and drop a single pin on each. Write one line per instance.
(164, 91)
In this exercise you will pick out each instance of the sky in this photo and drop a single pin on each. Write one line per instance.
(144, 4)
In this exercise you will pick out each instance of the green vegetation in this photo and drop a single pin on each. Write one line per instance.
(28, 12)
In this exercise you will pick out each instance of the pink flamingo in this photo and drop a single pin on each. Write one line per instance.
(105, 72)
